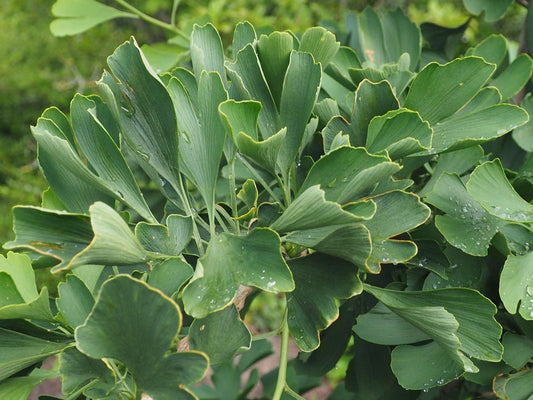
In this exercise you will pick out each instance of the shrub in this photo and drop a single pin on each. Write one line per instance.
(357, 182)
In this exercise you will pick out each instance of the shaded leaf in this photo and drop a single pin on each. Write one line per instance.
(169, 240)
(19, 388)
(170, 275)
(221, 335)
(493, 9)
(75, 301)
(312, 306)
(514, 386)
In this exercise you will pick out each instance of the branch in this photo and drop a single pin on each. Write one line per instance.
(523, 3)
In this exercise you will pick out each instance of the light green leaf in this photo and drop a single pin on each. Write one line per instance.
(207, 53)
(494, 9)
(371, 100)
(523, 135)
(311, 210)
(274, 53)
(18, 351)
(463, 130)
(113, 242)
(135, 324)
(489, 178)
(170, 275)
(493, 49)
(104, 156)
(518, 350)
(240, 117)
(53, 233)
(415, 366)
(514, 386)
(516, 285)
(400, 133)
(143, 108)
(466, 225)
(19, 388)
(312, 306)
(230, 260)
(18, 267)
(300, 91)
(75, 301)
(162, 56)
(169, 240)
(221, 335)
(243, 35)
(348, 174)
(321, 43)
(439, 91)
(76, 16)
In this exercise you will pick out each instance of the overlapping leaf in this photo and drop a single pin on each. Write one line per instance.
(516, 285)
(135, 324)
(312, 306)
(453, 318)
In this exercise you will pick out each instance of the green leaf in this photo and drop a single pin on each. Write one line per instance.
(75, 185)
(514, 386)
(274, 53)
(249, 83)
(170, 275)
(18, 267)
(453, 162)
(77, 369)
(312, 305)
(162, 56)
(397, 212)
(321, 43)
(243, 35)
(135, 324)
(371, 99)
(466, 225)
(230, 260)
(221, 335)
(401, 35)
(300, 91)
(113, 242)
(169, 240)
(53, 233)
(77, 16)
(494, 9)
(348, 174)
(18, 351)
(400, 133)
(451, 87)
(523, 135)
(75, 301)
(207, 53)
(516, 285)
(265, 153)
(19, 388)
(202, 134)
(369, 375)
(518, 350)
(479, 126)
(371, 37)
(415, 366)
(348, 242)
(477, 332)
(143, 108)
(104, 156)
(489, 178)
(493, 49)
(311, 210)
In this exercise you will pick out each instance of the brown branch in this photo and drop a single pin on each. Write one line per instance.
(523, 3)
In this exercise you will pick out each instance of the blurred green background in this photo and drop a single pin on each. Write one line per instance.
(39, 70)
